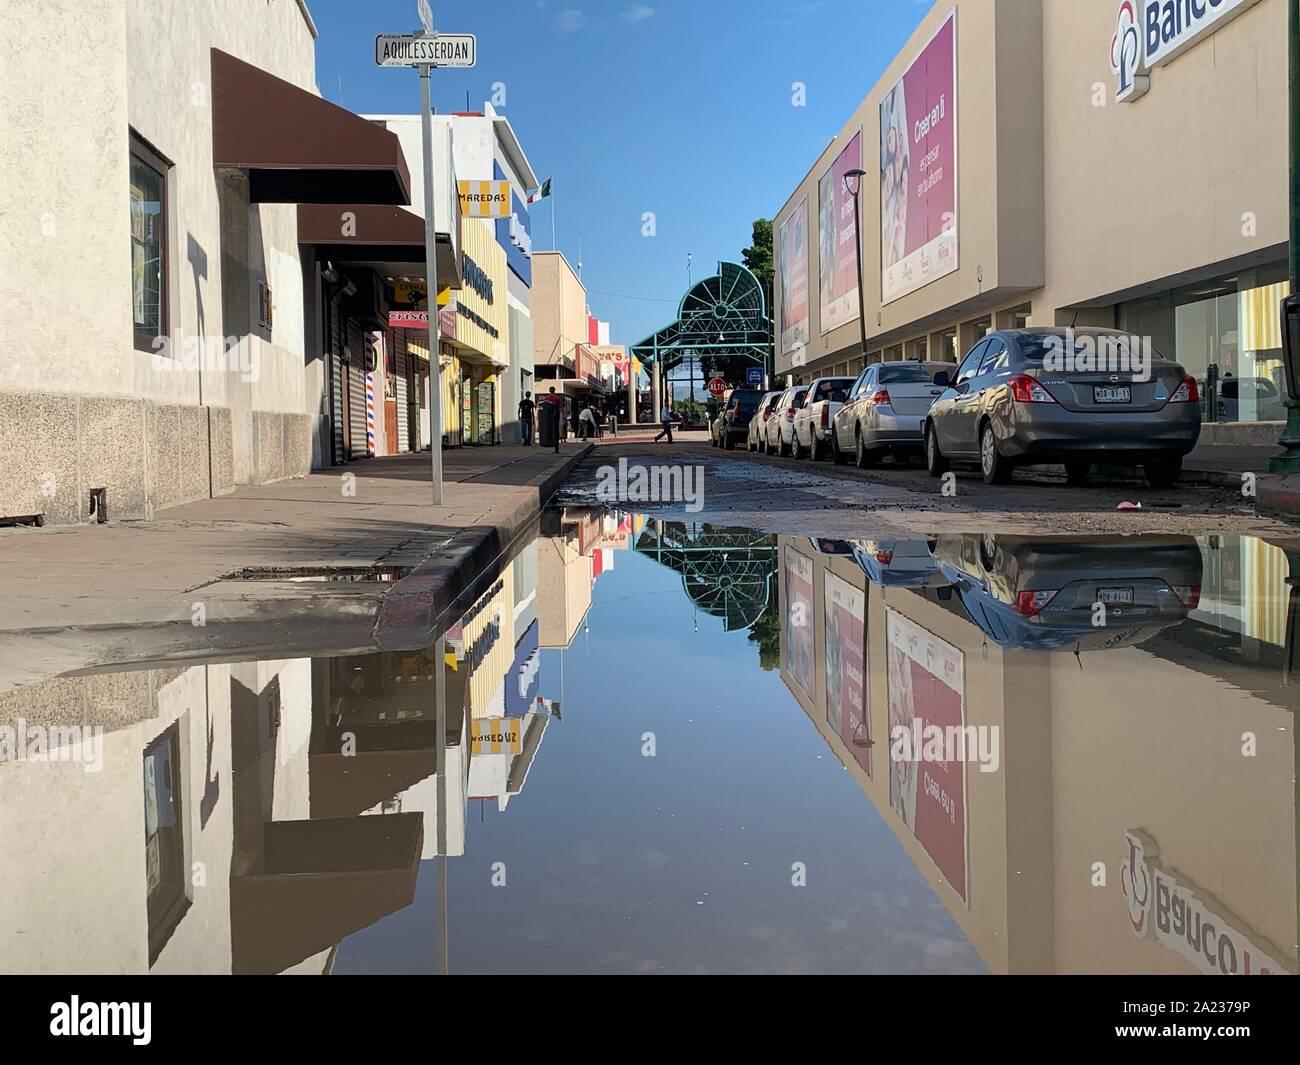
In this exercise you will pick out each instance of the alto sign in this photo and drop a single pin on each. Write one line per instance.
(1151, 33)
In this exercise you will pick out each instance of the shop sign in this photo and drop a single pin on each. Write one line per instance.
(477, 279)
(1151, 33)
(497, 735)
(484, 199)
(408, 320)
(410, 292)
(1172, 911)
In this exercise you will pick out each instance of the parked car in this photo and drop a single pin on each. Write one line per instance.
(1042, 593)
(1255, 397)
(898, 563)
(732, 423)
(1009, 406)
(886, 409)
(756, 437)
(812, 422)
(780, 426)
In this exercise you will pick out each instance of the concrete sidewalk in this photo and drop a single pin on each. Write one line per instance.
(77, 597)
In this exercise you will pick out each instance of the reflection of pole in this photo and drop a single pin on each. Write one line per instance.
(440, 741)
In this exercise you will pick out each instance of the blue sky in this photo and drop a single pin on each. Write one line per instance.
(677, 107)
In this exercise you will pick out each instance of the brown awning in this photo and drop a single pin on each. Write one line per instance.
(296, 147)
(389, 239)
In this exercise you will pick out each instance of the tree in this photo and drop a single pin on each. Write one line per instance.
(758, 260)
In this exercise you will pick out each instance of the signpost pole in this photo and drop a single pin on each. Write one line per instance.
(431, 299)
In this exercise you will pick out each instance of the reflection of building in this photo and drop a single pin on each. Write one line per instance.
(577, 546)
(1137, 741)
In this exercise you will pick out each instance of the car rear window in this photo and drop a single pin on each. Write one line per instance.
(826, 389)
(796, 401)
(916, 374)
(746, 400)
(1035, 346)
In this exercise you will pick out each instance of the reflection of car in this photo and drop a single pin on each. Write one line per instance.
(732, 422)
(899, 563)
(812, 422)
(830, 547)
(1254, 398)
(781, 424)
(1010, 406)
(886, 408)
(1047, 593)
(755, 441)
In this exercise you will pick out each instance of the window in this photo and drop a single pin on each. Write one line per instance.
(860, 385)
(971, 363)
(148, 195)
(907, 373)
(164, 840)
(995, 358)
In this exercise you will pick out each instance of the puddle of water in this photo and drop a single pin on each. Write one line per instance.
(663, 747)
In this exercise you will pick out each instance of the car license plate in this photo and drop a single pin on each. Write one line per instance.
(1114, 595)
(1112, 394)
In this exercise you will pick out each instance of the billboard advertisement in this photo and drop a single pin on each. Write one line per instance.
(918, 170)
(927, 688)
(797, 623)
(792, 253)
(846, 653)
(837, 229)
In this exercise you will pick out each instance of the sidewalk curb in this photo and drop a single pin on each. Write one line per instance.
(1278, 493)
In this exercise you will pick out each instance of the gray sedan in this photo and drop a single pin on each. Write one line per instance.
(885, 410)
(1029, 396)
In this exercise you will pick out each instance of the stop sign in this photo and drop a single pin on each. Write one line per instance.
(717, 386)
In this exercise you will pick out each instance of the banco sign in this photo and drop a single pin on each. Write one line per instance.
(1151, 33)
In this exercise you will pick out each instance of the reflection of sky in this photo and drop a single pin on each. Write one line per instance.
(681, 862)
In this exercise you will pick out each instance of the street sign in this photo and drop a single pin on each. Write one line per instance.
(754, 376)
(426, 49)
(717, 386)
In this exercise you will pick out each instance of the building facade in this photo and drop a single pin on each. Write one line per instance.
(1015, 177)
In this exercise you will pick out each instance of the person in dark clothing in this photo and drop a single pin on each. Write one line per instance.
(558, 402)
(666, 421)
(526, 408)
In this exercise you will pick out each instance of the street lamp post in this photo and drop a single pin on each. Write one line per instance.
(1288, 460)
(853, 182)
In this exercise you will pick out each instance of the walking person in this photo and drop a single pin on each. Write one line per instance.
(666, 421)
(586, 423)
(556, 405)
(526, 409)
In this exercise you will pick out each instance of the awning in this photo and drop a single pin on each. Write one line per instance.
(296, 147)
(389, 240)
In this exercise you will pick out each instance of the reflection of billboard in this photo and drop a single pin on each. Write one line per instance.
(793, 252)
(918, 170)
(797, 624)
(926, 686)
(846, 706)
(837, 229)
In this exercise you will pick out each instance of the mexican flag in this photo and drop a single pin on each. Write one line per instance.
(542, 193)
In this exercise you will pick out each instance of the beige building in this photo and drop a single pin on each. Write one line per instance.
(1034, 196)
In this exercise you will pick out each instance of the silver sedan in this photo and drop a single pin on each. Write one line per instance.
(885, 410)
(1077, 397)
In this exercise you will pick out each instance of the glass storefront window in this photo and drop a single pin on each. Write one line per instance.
(1227, 334)
(148, 189)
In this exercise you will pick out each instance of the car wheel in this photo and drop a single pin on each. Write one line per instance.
(818, 449)
(796, 447)
(995, 468)
(989, 554)
(934, 460)
(728, 443)
(1076, 473)
(1163, 473)
(782, 448)
(865, 456)
(837, 456)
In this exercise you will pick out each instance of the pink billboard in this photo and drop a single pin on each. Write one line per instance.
(846, 648)
(797, 624)
(918, 170)
(837, 230)
(793, 266)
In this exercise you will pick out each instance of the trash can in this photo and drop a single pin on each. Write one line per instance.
(548, 424)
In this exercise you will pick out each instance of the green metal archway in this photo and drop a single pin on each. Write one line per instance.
(723, 318)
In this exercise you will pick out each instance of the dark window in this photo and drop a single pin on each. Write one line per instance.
(797, 400)
(164, 840)
(971, 362)
(148, 221)
(906, 374)
(861, 383)
(995, 358)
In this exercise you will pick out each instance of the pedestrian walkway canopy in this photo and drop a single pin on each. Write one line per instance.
(723, 316)
(728, 573)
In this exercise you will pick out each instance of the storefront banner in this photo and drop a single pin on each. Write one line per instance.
(918, 170)
(927, 686)
(838, 232)
(797, 623)
(793, 255)
(846, 651)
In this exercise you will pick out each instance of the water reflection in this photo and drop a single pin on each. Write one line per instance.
(1136, 811)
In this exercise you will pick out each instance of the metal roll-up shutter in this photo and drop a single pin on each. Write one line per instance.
(336, 384)
(403, 415)
(356, 390)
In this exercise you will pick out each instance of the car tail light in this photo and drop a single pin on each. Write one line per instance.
(1026, 389)
(789, 414)
(1186, 392)
(1030, 603)
(1188, 594)
(826, 415)
(884, 557)
(880, 397)
(766, 414)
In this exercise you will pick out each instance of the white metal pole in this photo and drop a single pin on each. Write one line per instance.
(431, 277)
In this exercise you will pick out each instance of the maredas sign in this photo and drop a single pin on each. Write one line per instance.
(1151, 33)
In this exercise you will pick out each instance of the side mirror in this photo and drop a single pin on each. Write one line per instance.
(942, 379)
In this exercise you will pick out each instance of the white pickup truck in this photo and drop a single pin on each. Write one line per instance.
(814, 421)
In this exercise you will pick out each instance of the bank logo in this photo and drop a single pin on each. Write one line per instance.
(1127, 55)
(1135, 881)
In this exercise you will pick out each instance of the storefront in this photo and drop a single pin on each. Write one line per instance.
(1143, 189)
(477, 341)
